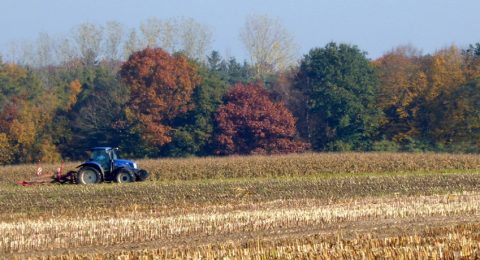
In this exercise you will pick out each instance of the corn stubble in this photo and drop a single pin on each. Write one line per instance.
(280, 165)
(213, 208)
(459, 242)
(269, 221)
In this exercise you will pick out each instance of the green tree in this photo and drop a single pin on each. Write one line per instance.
(16, 81)
(230, 70)
(99, 106)
(341, 87)
(472, 61)
(192, 134)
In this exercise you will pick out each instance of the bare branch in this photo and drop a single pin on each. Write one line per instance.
(270, 46)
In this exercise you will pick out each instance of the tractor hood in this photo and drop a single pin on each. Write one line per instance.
(124, 163)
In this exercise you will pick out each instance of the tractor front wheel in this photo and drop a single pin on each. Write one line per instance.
(124, 176)
(88, 175)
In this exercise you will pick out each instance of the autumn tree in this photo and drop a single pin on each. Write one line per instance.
(6, 150)
(97, 107)
(161, 86)
(445, 72)
(132, 43)
(88, 39)
(193, 131)
(66, 53)
(45, 47)
(341, 87)
(283, 89)
(472, 61)
(151, 29)
(25, 112)
(195, 39)
(270, 46)
(250, 123)
(403, 82)
(456, 119)
(177, 35)
(60, 129)
(113, 39)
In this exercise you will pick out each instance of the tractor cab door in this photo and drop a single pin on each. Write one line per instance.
(102, 157)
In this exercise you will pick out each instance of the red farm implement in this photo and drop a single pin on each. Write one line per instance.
(42, 178)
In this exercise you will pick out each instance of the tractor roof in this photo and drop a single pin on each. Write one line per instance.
(101, 148)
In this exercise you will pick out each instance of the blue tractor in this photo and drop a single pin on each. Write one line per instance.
(104, 165)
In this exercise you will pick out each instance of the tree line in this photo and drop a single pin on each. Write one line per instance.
(162, 96)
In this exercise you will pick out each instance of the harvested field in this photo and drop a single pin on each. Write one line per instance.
(272, 222)
(417, 211)
(281, 165)
(431, 243)
(16, 202)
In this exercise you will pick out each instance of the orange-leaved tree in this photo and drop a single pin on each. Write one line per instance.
(161, 86)
(250, 123)
(448, 100)
(446, 72)
(403, 81)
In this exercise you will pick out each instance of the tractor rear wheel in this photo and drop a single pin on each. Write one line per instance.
(88, 175)
(124, 176)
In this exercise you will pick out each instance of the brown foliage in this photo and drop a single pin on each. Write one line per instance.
(161, 88)
(250, 123)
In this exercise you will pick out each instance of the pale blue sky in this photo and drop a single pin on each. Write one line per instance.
(375, 26)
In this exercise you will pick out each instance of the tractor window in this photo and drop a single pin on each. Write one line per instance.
(99, 156)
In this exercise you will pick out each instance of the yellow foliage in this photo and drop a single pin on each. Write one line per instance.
(402, 81)
(6, 153)
(446, 72)
(401, 77)
(75, 88)
(23, 132)
(48, 152)
(14, 72)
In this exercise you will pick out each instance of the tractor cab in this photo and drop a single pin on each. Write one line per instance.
(104, 156)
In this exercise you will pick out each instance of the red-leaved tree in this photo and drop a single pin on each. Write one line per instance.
(161, 86)
(250, 123)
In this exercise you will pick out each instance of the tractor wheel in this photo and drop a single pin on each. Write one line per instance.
(124, 176)
(142, 175)
(88, 175)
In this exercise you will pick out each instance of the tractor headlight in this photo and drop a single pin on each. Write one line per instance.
(134, 165)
